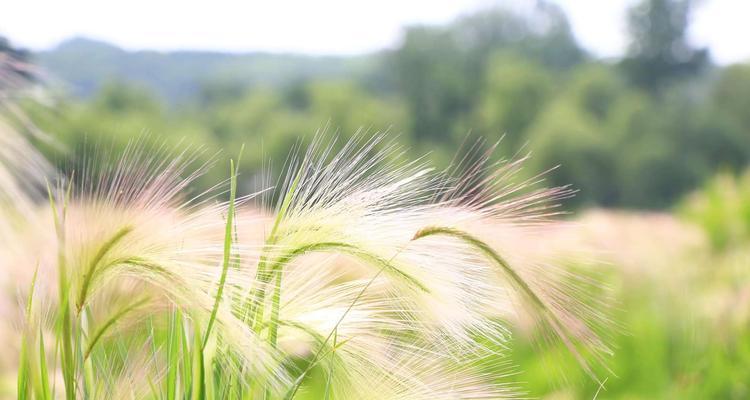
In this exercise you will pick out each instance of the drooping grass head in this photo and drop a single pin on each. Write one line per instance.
(384, 278)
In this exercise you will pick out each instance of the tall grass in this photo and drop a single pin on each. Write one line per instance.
(386, 278)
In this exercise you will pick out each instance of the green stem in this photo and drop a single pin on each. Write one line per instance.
(329, 378)
(108, 324)
(352, 250)
(198, 374)
(262, 275)
(275, 304)
(68, 365)
(227, 250)
(490, 253)
(24, 368)
(274, 325)
(91, 271)
(549, 316)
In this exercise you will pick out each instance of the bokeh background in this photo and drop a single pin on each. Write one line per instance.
(642, 105)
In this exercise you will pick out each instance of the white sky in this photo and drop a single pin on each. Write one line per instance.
(325, 26)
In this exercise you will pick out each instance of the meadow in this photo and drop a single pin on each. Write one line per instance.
(360, 275)
(483, 211)
(159, 296)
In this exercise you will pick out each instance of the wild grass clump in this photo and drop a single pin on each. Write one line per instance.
(371, 279)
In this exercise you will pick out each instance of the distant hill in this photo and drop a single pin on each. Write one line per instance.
(83, 65)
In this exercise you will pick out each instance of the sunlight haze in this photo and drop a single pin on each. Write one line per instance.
(328, 26)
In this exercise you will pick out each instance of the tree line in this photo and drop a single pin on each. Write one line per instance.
(640, 131)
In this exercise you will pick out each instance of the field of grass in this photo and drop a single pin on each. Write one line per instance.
(614, 264)
(358, 276)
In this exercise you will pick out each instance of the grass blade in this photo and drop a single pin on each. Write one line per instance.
(43, 374)
(24, 367)
(255, 305)
(227, 250)
(64, 323)
(173, 350)
(198, 384)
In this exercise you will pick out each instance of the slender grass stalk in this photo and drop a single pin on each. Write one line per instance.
(112, 320)
(152, 385)
(227, 249)
(488, 251)
(262, 275)
(45, 392)
(88, 381)
(25, 365)
(22, 388)
(352, 250)
(275, 305)
(198, 391)
(173, 352)
(91, 272)
(65, 326)
(329, 378)
(187, 359)
(274, 324)
(313, 334)
(547, 314)
(210, 388)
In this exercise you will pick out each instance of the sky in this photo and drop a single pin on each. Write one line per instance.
(327, 26)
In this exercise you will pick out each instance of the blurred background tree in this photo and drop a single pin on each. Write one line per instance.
(659, 51)
(637, 132)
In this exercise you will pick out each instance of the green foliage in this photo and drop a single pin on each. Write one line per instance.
(182, 75)
(659, 51)
(722, 209)
(627, 134)
(665, 348)
(440, 71)
(730, 102)
(516, 91)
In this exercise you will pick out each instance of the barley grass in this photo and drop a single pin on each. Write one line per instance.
(376, 274)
